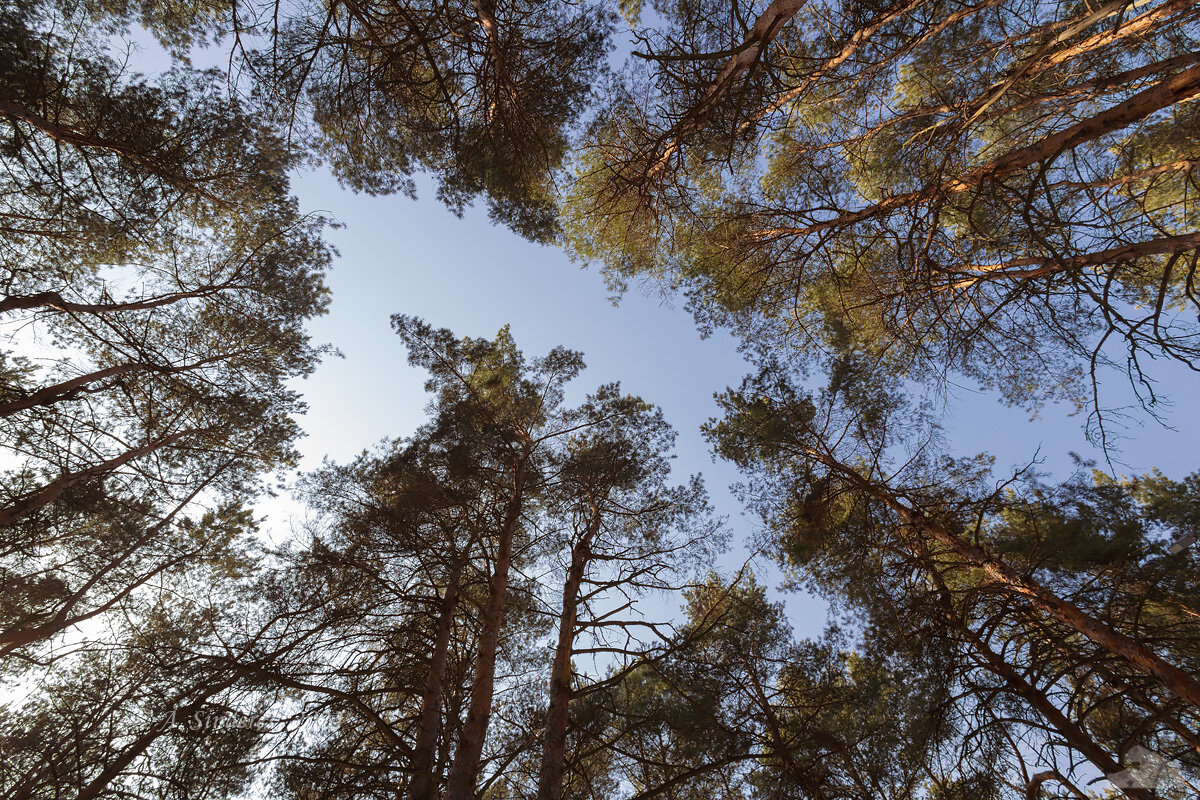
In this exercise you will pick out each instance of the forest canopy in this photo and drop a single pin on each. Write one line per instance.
(529, 595)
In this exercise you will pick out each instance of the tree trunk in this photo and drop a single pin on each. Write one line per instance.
(53, 490)
(464, 770)
(550, 777)
(1168, 92)
(66, 135)
(54, 301)
(1040, 267)
(140, 745)
(1136, 654)
(761, 33)
(422, 785)
(1072, 733)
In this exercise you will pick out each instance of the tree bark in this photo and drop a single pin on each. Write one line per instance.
(464, 770)
(66, 135)
(1138, 26)
(1072, 733)
(1039, 267)
(68, 389)
(1137, 655)
(54, 301)
(550, 776)
(764, 29)
(53, 490)
(1176, 89)
(422, 785)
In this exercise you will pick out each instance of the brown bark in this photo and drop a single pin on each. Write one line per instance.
(550, 776)
(140, 745)
(1075, 736)
(65, 390)
(62, 619)
(464, 770)
(1042, 267)
(53, 490)
(423, 785)
(1176, 89)
(1134, 653)
(764, 29)
(1139, 25)
(853, 43)
(1033, 788)
(56, 302)
(67, 135)
(1042, 59)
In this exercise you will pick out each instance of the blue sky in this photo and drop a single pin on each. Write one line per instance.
(401, 256)
(415, 257)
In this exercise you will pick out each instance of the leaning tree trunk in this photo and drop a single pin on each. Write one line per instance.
(1134, 653)
(464, 770)
(550, 777)
(1074, 735)
(51, 491)
(423, 786)
(1016, 682)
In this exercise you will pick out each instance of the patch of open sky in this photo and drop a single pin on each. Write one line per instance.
(400, 256)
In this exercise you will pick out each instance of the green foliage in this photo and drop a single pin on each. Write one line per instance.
(882, 193)
(1003, 190)
(481, 95)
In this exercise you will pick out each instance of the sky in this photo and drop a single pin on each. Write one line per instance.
(415, 257)
(403, 256)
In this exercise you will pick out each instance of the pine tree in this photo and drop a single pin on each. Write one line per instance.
(1000, 189)
(482, 95)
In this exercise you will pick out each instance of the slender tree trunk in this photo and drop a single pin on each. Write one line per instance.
(423, 785)
(140, 745)
(550, 777)
(53, 490)
(765, 28)
(13, 638)
(464, 769)
(56, 302)
(1164, 94)
(67, 135)
(1136, 654)
(1040, 267)
(1072, 733)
